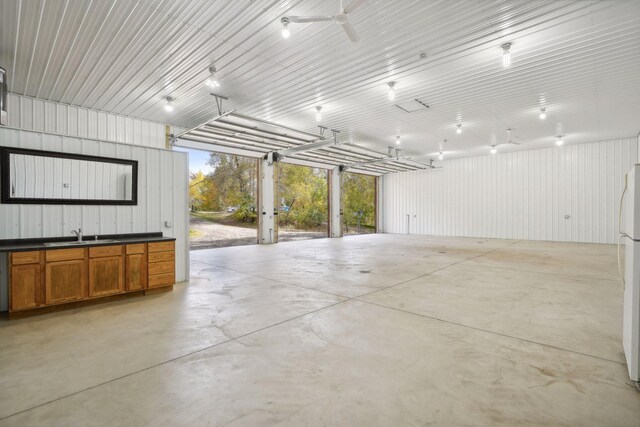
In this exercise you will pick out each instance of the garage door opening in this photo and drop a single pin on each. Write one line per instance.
(303, 205)
(358, 204)
(222, 200)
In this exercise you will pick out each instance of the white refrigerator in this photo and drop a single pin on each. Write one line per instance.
(631, 235)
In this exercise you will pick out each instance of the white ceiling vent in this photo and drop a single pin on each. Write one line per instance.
(412, 106)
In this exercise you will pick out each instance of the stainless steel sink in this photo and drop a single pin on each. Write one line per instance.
(84, 242)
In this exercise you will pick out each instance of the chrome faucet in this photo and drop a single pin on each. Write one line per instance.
(78, 233)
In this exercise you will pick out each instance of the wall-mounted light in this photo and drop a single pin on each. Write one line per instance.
(212, 81)
(543, 113)
(559, 140)
(285, 30)
(392, 90)
(459, 128)
(318, 114)
(169, 106)
(493, 149)
(506, 54)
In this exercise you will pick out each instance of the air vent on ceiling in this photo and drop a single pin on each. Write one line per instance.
(412, 106)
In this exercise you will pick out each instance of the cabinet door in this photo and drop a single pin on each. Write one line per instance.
(105, 276)
(25, 286)
(65, 281)
(136, 272)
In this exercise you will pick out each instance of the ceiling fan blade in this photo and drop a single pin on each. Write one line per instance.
(306, 19)
(353, 6)
(351, 32)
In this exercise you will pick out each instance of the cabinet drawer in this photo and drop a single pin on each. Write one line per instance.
(161, 280)
(161, 246)
(162, 257)
(104, 251)
(65, 254)
(20, 258)
(138, 248)
(161, 268)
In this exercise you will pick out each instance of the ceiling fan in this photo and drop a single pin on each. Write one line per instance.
(341, 18)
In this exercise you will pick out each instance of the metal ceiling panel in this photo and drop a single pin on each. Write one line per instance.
(578, 58)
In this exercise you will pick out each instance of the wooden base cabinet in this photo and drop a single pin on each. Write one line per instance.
(106, 276)
(25, 286)
(55, 276)
(65, 281)
(136, 266)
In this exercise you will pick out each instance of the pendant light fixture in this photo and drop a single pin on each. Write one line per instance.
(398, 140)
(392, 91)
(285, 30)
(559, 140)
(318, 114)
(543, 113)
(506, 54)
(459, 128)
(212, 81)
(168, 106)
(493, 149)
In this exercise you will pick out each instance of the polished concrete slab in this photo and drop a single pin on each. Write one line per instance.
(366, 330)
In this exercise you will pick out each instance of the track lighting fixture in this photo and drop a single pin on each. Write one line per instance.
(212, 81)
(459, 128)
(493, 150)
(168, 106)
(392, 91)
(543, 113)
(318, 114)
(559, 140)
(285, 30)
(506, 54)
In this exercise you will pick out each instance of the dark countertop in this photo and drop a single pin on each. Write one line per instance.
(22, 245)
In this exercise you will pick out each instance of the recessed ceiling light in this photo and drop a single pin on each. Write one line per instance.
(506, 54)
(168, 106)
(318, 114)
(543, 113)
(392, 91)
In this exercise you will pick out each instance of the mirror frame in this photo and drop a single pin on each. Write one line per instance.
(5, 184)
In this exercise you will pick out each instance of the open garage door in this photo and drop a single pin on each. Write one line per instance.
(303, 207)
(358, 203)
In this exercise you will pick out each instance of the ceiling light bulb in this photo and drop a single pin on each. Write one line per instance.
(392, 91)
(440, 155)
(559, 141)
(168, 106)
(506, 54)
(285, 31)
(212, 81)
(543, 113)
(398, 140)
(493, 150)
(459, 129)
(318, 114)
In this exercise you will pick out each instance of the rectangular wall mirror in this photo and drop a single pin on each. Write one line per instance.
(47, 177)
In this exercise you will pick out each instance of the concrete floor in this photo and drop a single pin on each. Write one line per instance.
(373, 330)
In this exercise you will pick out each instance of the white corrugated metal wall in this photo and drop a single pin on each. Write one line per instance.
(162, 175)
(517, 195)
